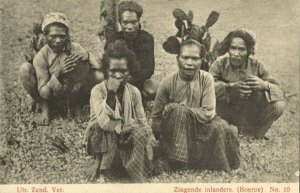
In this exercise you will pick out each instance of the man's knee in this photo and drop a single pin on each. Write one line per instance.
(221, 127)
(26, 70)
(149, 89)
(98, 76)
(278, 107)
(233, 130)
(28, 78)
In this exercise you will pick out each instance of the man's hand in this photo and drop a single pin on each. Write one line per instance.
(256, 83)
(77, 56)
(169, 107)
(244, 90)
(240, 87)
(70, 62)
(235, 86)
(76, 88)
(113, 85)
(64, 68)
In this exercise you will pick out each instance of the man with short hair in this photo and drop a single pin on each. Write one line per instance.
(184, 117)
(60, 68)
(141, 42)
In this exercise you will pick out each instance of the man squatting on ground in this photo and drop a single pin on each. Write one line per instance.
(118, 129)
(142, 43)
(184, 117)
(60, 68)
(247, 95)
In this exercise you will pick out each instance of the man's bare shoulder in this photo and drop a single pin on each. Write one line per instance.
(76, 46)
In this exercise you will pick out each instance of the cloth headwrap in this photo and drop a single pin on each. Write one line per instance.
(130, 6)
(55, 17)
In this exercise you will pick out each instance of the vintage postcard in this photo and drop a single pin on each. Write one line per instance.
(149, 96)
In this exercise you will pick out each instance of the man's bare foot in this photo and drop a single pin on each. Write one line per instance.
(35, 107)
(45, 119)
(92, 172)
(78, 114)
(38, 108)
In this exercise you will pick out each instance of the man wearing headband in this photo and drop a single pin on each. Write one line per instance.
(142, 43)
(247, 95)
(184, 117)
(60, 69)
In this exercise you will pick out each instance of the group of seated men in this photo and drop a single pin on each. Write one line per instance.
(196, 115)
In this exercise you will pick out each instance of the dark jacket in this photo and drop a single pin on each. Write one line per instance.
(143, 47)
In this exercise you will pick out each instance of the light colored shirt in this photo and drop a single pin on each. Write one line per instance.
(224, 73)
(197, 95)
(127, 114)
(46, 62)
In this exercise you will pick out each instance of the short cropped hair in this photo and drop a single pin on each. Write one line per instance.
(248, 38)
(192, 42)
(117, 50)
(130, 6)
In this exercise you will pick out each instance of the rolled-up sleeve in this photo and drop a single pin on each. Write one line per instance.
(108, 119)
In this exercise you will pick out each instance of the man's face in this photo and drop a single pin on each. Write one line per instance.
(118, 69)
(237, 51)
(189, 61)
(129, 24)
(57, 38)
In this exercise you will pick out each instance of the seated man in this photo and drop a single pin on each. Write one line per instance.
(184, 117)
(60, 68)
(247, 95)
(118, 129)
(142, 43)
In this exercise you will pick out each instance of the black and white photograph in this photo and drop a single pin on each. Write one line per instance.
(153, 92)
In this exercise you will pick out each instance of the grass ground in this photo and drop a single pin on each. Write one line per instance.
(35, 160)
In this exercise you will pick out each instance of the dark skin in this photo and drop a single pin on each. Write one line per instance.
(57, 39)
(129, 24)
(189, 63)
(238, 56)
(118, 74)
